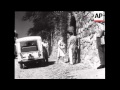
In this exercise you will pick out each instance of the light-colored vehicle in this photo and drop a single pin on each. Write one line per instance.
(30, 49)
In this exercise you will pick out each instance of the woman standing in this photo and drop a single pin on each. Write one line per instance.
(61, 47)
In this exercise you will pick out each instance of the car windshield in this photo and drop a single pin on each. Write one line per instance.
(29, 46)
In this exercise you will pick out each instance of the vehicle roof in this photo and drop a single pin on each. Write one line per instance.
(28, 38)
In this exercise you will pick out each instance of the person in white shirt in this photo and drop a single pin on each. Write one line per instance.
(72, 45)
(100, 29)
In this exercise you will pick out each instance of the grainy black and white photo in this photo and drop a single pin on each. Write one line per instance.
(59, 45)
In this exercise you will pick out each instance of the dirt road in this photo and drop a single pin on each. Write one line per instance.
(59, 71)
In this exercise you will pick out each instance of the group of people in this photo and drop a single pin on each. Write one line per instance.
(73, 47)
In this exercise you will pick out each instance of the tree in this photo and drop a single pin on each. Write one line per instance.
(49, 25)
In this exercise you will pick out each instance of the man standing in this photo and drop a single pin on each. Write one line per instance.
(101, 44)
(45, 51)
(72, 47)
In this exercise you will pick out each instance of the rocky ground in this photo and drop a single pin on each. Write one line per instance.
(59, 70)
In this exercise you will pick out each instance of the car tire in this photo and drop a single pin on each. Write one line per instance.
(44, 61)
(21, 65)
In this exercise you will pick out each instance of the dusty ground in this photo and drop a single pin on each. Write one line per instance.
(59, 71)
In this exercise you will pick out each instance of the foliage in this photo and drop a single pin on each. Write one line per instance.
(46, 22)
(48, 25)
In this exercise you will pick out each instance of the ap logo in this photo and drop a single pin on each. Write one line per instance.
(99, 16)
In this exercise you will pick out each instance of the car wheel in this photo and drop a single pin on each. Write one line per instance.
(21, 65)
(44, 61)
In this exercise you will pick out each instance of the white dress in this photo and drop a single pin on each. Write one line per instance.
(71, 44)
(60, 46)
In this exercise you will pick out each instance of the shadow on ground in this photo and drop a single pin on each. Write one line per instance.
(39, 64)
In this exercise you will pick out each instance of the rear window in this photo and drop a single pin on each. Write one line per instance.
(29, 46)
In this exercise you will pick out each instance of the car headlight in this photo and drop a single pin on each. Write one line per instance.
(22, 55)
